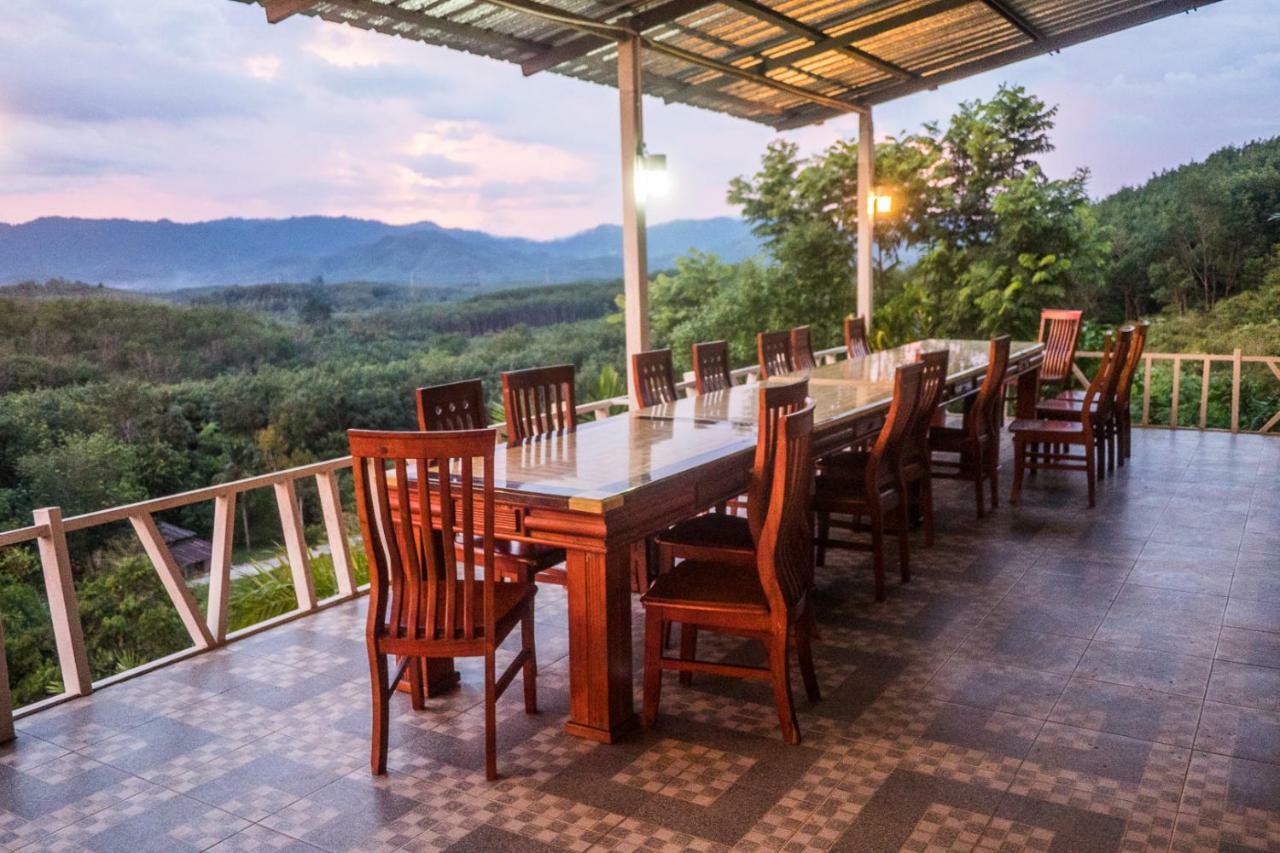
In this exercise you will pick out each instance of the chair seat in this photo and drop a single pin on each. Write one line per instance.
(711, 530)
(508, 599)
(1067, 409)
(703, 585)
(1076, 396)
(1054, 430)
(845, 464)
(523, 559)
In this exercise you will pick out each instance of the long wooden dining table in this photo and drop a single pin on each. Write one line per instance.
(602, 489)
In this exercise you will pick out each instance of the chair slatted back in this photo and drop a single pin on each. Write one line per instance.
(774, 351)
(538, 401)
(1136, 348)
(1059, 332)
(653, 377)
(802, 349)
(855, 337)
(886, 454)
(417, 592)
(785, 545)
(1115, 366)
(776, 401)
(453, 406)
(1097, 385)
(985, 415)
(711, 367)
(933, 381)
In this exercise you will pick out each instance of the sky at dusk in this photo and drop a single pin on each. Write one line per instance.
(197, 109)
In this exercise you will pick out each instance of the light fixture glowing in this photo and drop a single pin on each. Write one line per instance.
(651, 176)
(879, 203)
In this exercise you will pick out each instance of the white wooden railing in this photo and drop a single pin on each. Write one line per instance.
(207, 630)
(1206, 360)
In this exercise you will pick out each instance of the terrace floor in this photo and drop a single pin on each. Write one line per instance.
(1053, 678)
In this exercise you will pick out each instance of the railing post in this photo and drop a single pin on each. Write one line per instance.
(336, 531)
(1146, 392)
(1235, 390)
(64, 607)
(1177, 390)
(1204, 394)
(295, 541)
(224, 521)
(170, 573)
(6, 698)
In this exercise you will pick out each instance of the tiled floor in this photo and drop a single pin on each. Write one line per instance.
(1054, 678)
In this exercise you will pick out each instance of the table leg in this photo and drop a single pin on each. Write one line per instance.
(441, 677)
(600, 680)
(1028, 393)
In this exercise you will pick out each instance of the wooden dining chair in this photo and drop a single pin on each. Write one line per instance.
(973, 447)
(767, 599)
(727, 537)
(711, 367)
(653, 377)
(458, 406)
(774, 351)
(1048, 443)
(423, 602)
(876, 488)
(855, 337)
(1124, 392)
(538, 401)
(917, 471)
(802, 349)
(1059, 332)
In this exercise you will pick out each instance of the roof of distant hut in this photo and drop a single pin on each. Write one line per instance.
(185, 545)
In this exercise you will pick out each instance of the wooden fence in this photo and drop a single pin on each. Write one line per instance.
(1206, 361)
(207, 630)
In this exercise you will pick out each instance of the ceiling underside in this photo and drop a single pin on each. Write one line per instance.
(784, 63)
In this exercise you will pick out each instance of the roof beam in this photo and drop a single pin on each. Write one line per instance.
(880, 27)
(582, 45)
(1107, 26)
(278, 10)
(1005, 9)
(813, 34)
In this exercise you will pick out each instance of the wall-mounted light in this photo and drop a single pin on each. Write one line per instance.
(651, 176)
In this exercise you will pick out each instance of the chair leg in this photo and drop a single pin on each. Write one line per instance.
(379, 677)
(1019, 466)
(688, 649)
(528, 642)
(780, 667)
(904, 548)
(1090, 470)
(490, 716)
(653, 629)
(992, 460)
(824, 530)
(877, 550)
(926, 505)
(804, 651)
(976, 456)
(417, 683)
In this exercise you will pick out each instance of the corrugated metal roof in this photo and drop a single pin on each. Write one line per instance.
(783, 63)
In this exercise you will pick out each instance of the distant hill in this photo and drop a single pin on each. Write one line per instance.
(166, 255)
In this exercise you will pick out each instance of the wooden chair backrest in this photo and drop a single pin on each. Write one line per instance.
(711, 367)
(785, 544)
(414, 594)
(1059, 332)
(776, 401)
(453, 406)
(802, 349)
(933, 381)
(886, 454)
(1136, 348)
(855, 337)
(653, 377)
(984, 415)
(774, 350)
(1115, 366)
(538, 401)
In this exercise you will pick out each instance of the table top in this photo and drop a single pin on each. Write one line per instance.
(598, 466)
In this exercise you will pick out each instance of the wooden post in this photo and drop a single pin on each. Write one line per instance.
(635, 261)
(1235, 390)
(1146, 391)
(64, 608)
(224, 526)
(1177, 389)
(171, 578)
(6, 698)
(866, 219)
(336, 531)
(295, 542)
(1204, 394)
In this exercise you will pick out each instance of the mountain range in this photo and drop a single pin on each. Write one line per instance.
(164, 255)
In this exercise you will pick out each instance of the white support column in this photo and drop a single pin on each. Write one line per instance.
(635, 264)
(866, 219)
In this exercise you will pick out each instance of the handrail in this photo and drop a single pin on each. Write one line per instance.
(1237, 361)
